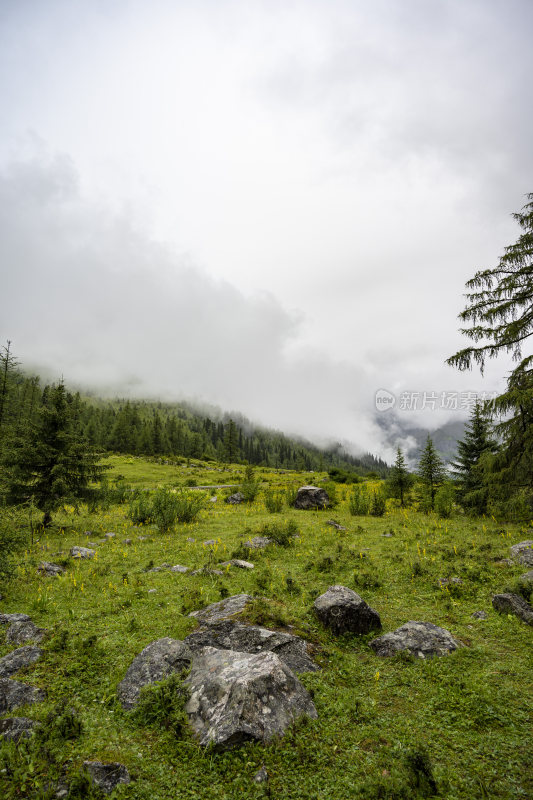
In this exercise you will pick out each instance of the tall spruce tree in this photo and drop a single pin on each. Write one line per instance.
(471, 462)
(399, 480)
(500, 312)
(431, 471)
(50, 463)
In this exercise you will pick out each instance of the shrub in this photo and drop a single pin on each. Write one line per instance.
(250, 485)
(11, 539)
(444, 500)
(273, 501)
(162, 705)
(280, 534)
(140, 510)
(377, 504)
(165, 508)
(358, 501)
(189, 505)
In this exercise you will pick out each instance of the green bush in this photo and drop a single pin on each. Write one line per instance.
(12, 539)
(189, 505)
(280, 534)
(165, 507)
(162, 705)
(249, 488)
(273, 501)
(358, 502)
(377, 504)
(140, 510)
(444, 500)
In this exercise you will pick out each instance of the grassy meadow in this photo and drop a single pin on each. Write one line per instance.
(458, 726)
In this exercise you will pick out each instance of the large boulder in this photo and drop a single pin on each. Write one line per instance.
(158, 660)
(9, 619)
(81, 552)
(238, 697)
(15, 728)
(229, 607)
(51, 570)
(422, 639)
(311, 497)
(508, 603)
(233, 635)
(18, 659)
(14, 694)
(342, 611)
(107, 776)
(523, 552)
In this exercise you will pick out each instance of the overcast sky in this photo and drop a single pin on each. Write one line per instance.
(272, 206)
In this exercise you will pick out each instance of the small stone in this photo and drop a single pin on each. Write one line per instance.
(207, 571)
(508, 603)
(107, 776)
(450, 581)
(126, 541)
(343, 611)
(81, 552)
(109, 535)
(209, 542)
(51, 570)
(179, 568)
(152, 591)
(238, 562)
(190, 540)
(335, 525)
(258, 543)
(142, 538)
(480, 615)
(16, 660)
(261, 776)
(15, 728)
(235, 499)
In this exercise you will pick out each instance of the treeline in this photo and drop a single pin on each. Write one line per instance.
(167, 430)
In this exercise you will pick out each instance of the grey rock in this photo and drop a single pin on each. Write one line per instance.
(207, 571)
(238, 697)
(213, 499)
(336, 525)
(229, 607)
(160, 568)
(126, 541)
(109, 535)
(158, 660)
(21, 632)
(152, 591)
(142, 538)
(343, 611)
(261, 776)
(258, 543)
(455, 581)
(238, 562)
(81, 552)
(179, 568)
(88, 533)
(234, 499)
(309, 497)
(209, 542)
(190, 540)
(508, 603)
(387, 535)
(51, 570)
(422, 639)
(107, 776)
(8, 619)
(231, 634)
(14, 694)
(480, 615)
(15, 728)
(18, 659)
(523, 552)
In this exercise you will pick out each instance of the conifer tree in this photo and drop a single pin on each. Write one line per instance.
(399, 481)
(470, 464)
(431, 471)
(500, 310)
(50, 463)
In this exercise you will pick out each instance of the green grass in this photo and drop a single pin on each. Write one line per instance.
(470, 712)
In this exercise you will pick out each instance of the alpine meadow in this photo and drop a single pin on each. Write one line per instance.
(266, 472)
